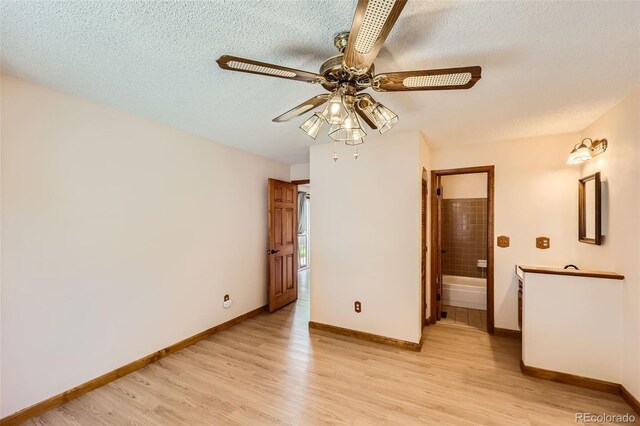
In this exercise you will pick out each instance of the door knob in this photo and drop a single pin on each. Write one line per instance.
(272, 251)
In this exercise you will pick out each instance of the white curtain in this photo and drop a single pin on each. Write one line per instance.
(302, 212)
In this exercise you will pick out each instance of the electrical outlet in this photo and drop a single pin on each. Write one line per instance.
(358, 306)
(227, 302)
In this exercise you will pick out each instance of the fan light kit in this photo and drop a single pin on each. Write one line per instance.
(345, 75)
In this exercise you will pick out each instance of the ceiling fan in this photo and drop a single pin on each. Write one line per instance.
(349, 73)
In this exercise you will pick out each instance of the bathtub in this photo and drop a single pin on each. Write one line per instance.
(464, 292)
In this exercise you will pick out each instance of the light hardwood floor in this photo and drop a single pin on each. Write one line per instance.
(475, 318)
(271, 370)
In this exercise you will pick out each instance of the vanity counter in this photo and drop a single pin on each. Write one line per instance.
(550, 270)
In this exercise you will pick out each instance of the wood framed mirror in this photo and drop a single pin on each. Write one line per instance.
(590, 210)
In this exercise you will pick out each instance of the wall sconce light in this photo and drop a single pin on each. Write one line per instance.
(582, 152)
(598, 147)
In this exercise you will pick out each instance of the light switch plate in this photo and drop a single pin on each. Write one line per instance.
(543, 243)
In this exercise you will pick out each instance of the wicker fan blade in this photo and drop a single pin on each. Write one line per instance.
(302, 108)
(234, 63)
(371, 25)
(444, 79)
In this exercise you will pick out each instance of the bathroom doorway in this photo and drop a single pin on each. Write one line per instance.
(461, 281)
(304, 239)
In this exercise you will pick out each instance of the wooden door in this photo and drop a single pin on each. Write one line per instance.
(439, 247)
(282, 250)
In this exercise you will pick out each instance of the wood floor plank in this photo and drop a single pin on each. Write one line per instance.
(270, 370)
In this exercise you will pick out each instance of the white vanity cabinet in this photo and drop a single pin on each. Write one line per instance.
(571, 322)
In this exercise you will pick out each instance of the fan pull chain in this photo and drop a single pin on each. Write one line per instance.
(355, 154)
(335, 153)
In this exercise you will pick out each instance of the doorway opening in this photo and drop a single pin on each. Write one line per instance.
(304, 241)
(461, 282)
(304, 234)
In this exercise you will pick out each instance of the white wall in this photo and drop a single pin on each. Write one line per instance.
(473, 185)
(619, 167)
(365, 218)
(1, 339)
(535, 195)
(120, 237)
(299, 171)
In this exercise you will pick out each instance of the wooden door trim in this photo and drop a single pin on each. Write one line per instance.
(439, 288)
(490, 248)
(433, 244)
(423, 252)
(301, 181)
(462, 171)
(435, 174)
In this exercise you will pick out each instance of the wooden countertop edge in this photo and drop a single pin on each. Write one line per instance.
(571, 272)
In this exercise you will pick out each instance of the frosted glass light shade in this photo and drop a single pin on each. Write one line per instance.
(579, 155)
(312, 126)
(385, 118)
(349, 131)
(583, 153)
(336, 111)
(571, 159)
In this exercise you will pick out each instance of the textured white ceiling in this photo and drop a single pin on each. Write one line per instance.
(548, 67)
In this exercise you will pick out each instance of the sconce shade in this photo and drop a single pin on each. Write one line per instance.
(312, 126)
(350, 130)
(385, 118)
(336, 111)
(579, 154)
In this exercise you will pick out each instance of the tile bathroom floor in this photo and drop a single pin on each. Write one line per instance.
(466, 317)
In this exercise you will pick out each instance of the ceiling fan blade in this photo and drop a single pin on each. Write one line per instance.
(233, 63)
(302, 108)
(443, 79)
(371, 25)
